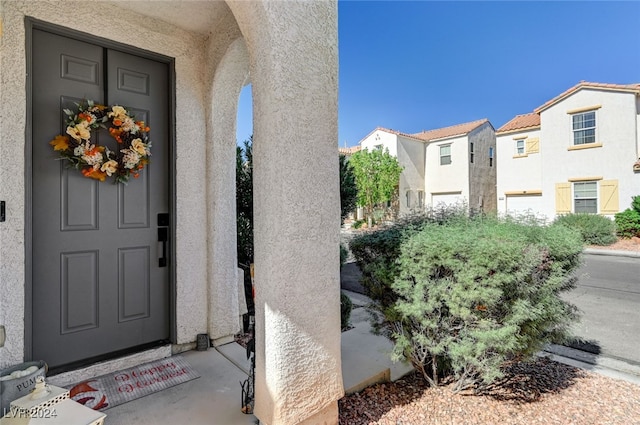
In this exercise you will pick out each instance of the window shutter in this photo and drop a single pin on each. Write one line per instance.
(609, 203)
(563, 198)
(533, 145)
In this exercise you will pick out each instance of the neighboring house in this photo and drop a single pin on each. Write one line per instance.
(461, 165)
(519, 179)
(91, 270)
(576, 153)
(410, 152)
(443, 166)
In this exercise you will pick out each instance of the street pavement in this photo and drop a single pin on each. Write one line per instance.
(608, 295)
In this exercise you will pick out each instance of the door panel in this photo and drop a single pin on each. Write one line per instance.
(97, 287)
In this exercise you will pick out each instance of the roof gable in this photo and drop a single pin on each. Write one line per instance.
(390, 131)
(629, 88)
(451, 131)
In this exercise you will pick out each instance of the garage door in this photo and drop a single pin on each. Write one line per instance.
(446, 198)
(519, 205)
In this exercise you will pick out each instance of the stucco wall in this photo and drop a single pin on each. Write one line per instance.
(449, 178)
(382, 138)
(228, 72)
(191, 145)
(411, 158)
(517, 172)
(482, 172)
(616, 129)
(294, 77)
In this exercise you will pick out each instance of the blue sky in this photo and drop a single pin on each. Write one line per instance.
(420, 65)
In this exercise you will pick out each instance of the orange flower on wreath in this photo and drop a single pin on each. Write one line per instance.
(116, 133)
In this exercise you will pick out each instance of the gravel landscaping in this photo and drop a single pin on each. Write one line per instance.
(632, 244)
(540, 392)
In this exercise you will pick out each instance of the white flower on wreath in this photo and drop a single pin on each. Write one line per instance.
(80, 131)
(131, 158)
(78, 150)
(109, 167)
(92, 156)
(118, 112)
(129, 125)
(139, 147)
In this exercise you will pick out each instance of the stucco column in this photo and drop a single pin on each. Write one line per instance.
(230, 76)
(294, 72)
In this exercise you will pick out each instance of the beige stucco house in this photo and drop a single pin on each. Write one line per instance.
(79, 280)
(410, 153)
(575, 153)
(461, 165)
(449, 165)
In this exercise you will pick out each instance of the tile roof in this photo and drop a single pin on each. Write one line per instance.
(454, 130)
(349, 151)
(521, 122)
(633, 88)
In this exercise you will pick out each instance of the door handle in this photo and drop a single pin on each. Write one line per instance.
(163, 236)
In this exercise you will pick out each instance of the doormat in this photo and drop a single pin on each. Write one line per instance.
(116, 388)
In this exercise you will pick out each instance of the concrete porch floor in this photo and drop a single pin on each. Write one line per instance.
(214, 398)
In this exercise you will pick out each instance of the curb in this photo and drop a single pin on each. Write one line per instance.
(603, 365)
(595, 251)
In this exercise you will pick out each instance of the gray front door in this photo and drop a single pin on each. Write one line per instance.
(97, 283)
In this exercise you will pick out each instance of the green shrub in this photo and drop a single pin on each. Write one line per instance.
(635, 203)
(474, 294)
(344, 253)
(357, 224)
(376, 253)
(595, 229)
(628, 223)
(345, 310)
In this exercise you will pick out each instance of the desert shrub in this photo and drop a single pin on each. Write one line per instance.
(595, 229)
(635, 203)
(628, 223)
(345, 310)
(473, 294)
(357, 224)
(344, 253)
(377, 251)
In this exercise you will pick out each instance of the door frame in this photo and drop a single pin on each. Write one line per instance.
(30, 25)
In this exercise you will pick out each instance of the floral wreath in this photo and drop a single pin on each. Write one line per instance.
(98, 162)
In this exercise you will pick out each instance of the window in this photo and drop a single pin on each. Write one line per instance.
(491, 156)
(471, 152)
(520, 147)
(584, 128)
(585, 197)
(420, 199)
(445, 155)
(408, 194)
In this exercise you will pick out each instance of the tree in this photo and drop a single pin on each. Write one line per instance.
(348, 188)
(377, 177)
(244, 216)
(244, 201)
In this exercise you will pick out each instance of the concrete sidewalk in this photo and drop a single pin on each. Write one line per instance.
(215, 397)
(612, 252)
